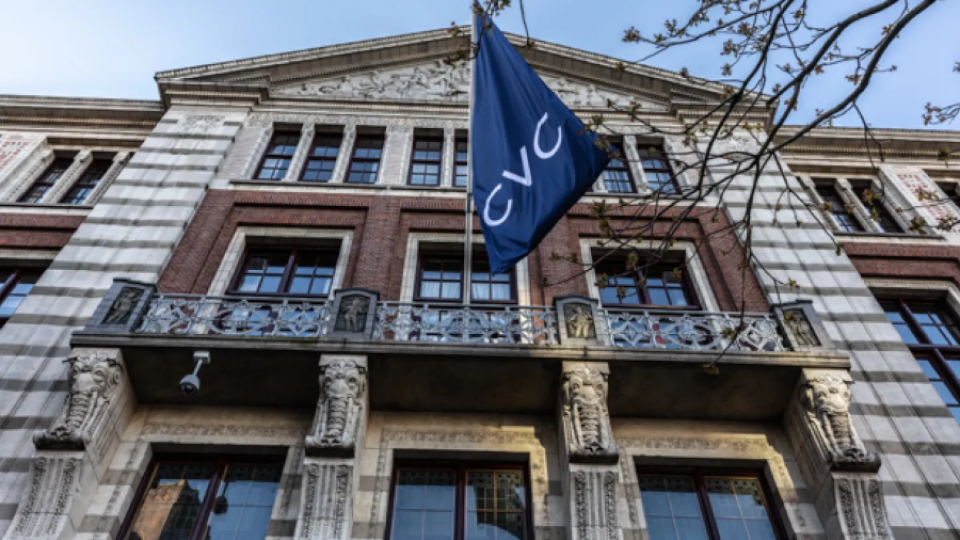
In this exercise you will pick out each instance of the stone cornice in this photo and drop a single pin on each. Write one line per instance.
(848, 143)
(47, 112)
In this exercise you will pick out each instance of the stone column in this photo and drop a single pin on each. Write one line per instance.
(331, 475)
(345, 154)
(633, 161)
(301, 153)
(589, 455)
(73, 454)
(449, 156)
(841, 473)
(80, 163)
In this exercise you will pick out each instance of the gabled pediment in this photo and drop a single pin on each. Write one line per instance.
(441, 82)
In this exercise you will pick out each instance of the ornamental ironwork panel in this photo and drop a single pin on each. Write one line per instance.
(639, 329)
(455, 323)
(191, 314)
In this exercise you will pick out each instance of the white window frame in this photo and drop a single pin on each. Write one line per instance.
(694, 266)
(242, 236)
(842, 185)
(412, 259)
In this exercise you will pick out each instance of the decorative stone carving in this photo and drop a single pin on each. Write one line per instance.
(584, 414)
(354, 313)
(579, 320)
(860, 506)
(826, 400)
(201, 123)
(438, 81)
(121, 308)
(595, 504)
(342, 405)
(326, 510)
(802, 327)
(43, 513)
(94, 377)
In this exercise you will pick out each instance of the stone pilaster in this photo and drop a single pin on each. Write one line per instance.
(253, 160)
(119, 162)
(300, 155)
(80, 163)
(841, 473)
(73, 454)
(345, 154)
(330, 472)
(633, 161)
(924, 198)
(449, 156)
(589, 455)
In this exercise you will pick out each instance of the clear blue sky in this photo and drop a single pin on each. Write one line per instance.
(112, 48)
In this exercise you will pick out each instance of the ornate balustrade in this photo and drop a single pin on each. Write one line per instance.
(358, 315)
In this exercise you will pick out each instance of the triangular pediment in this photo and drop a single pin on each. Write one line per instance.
(438, 81)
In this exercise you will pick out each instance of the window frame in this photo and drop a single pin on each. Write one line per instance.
(460, 506)
(291, 132)
(926, 350)
(857, 187)
(674, 183)
(624, 166)
(11, 283)
(687, 284)
(84, 181)
(293, 250)
(41, 180)
(318, 136)
(354, 159)
(206, 508)
(699, 473)
(457, 162)
(447, 254)
(414, 161)
(836, 190)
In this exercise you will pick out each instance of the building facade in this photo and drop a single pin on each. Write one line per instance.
(238, 312)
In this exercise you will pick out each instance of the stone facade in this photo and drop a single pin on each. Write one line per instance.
(832, 413)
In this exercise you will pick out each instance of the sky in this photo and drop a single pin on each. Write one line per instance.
(113, 48)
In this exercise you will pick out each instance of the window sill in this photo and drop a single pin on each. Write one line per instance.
(32, 208)
(345, 185)
(874, 237)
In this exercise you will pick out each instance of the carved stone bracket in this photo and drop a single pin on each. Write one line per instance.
(342, 408)
(825, 399)
(94, 377)
(592, 503)
(353, 314)
(584, 417)
(580, 323)
(326, 509)
(45, 511)
(802, 327)
(121, 308)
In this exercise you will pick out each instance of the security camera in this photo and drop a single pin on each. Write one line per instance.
(190, 384)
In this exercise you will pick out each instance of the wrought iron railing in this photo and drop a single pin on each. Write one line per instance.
(643, 329)
(458, 323)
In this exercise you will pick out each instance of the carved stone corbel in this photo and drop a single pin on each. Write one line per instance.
(93, 377)
(826, 399)
(342, 407)
(583, 413)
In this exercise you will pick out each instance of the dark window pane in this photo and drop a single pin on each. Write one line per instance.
(46, 181)
(838, 207)
(171, 506)
(656, 169)
(671, 508)
(87, 182)
(277, 159)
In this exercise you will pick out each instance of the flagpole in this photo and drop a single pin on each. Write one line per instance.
(468, 207)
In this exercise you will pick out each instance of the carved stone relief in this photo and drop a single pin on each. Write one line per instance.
(342, 404)
(326, 500)
(802, 330)
(595, 504)
(438, 81)
(122, 307)
(584, 414)
(201, 123)
(53, 483)
(860, 507)
(826, 400)
(579, 320)
(352, 315)
(94, 376)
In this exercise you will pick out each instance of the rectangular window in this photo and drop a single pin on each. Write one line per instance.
(661, 285)
(701, 505)
(200, 500)
(874, 205)
(15, 285)
(426, 162)
(460, 160)
(931, 331)
(440, 279)
(365, 164)
(616, 177)
(280, 152)
(438, 501)
(289, 272)
(657, 170)
(842, 213)
(322, 158)
(87, 182)
(47, 180)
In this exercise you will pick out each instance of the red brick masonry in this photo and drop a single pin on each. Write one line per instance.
(32, 231)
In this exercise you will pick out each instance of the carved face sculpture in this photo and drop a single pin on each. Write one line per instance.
(342, 381)
(88, 378)
(585, 388)
(829, 395)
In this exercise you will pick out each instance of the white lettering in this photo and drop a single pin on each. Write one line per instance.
(525, 179)
(486, 209)
(536, 140)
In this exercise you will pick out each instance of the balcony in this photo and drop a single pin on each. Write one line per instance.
(471, 358)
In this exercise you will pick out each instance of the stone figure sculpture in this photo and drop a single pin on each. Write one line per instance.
(826, 398)
(94, 376)
(584, 408)
(580, 323)
(354, 313)
(802, 330)
(123, 305)
(340, 408)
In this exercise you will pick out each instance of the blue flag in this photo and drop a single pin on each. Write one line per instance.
(532, 160)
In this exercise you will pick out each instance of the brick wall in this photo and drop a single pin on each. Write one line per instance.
(31, 231)
(906, 261)
(381, 225)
